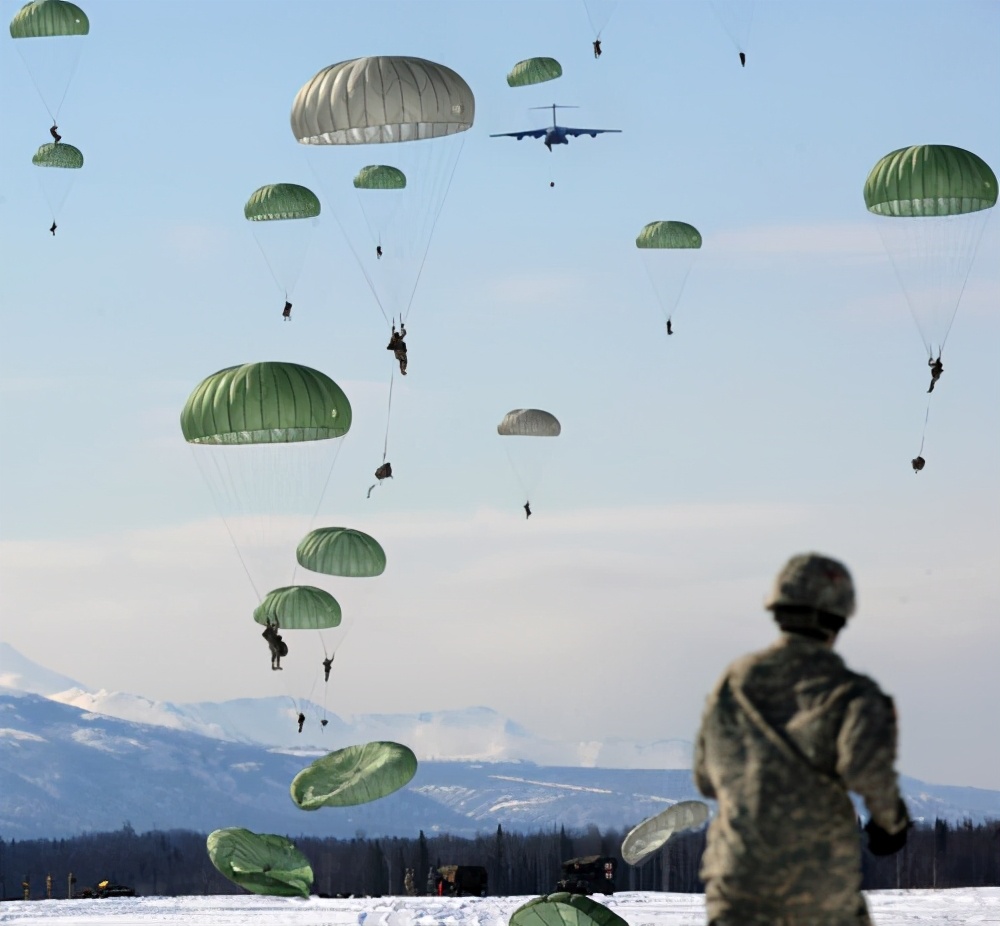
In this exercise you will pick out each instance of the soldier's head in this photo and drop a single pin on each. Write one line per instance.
(812, 595)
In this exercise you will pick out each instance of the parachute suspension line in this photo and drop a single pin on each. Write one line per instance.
(517, 475)
(430, 236)
(376, 234)
(961, 292)
(923, 434)
(388, 414)
(319, 503)
(267, 261)
(593, 26)
(62, 99)
(361, 265)
(354, 250)
(229, 530)
(53, 113)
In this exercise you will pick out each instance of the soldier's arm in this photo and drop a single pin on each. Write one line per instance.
(701, 779)
(700, 764)
(866, 755)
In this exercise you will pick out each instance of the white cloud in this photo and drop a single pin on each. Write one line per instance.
(604, 609)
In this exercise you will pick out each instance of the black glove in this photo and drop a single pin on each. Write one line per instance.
(882, 843)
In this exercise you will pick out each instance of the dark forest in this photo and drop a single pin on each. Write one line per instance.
(175, 862)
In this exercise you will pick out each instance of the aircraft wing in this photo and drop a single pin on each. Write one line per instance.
(527, 133)
(593, 133)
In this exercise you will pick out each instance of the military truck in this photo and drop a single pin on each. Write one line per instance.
(462, 881)
(589, 874)
(107, 889)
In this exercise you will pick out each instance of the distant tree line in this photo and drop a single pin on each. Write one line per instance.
(175, 862)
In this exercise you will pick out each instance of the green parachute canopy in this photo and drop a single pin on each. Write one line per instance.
(564, 909)
(299, 607)
(932, 204)
(380, 177)
(58, 154)
(265, 403)
(381, 99)
(262, 863)
(278, 201)
(533, 71)
(341, 551)
(48, 18)
(355, 775)
(644, 839)
(930, 180)
(529, 422)
(668, 235)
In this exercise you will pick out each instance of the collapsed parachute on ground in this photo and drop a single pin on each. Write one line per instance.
(299, 607)
(529, 422)
(380, 177)
(354, 775)
(261, 863)
(643, 840)
(278, 211)
(533, 71)
(564, 909)
(932, 201)
(341, 551)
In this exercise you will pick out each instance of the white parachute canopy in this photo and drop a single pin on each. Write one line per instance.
(526, 454)
(643, 840)
(419, 109)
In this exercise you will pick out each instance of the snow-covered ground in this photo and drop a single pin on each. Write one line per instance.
(960, 907)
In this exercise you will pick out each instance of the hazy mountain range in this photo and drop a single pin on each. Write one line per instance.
(73, 760)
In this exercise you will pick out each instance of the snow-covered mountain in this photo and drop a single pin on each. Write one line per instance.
(475, 733)
(66, 769)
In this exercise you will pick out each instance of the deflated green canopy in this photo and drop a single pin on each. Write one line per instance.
(534, 71)
(564, 909)
(281, 201)
(380, 177)
(668, 235)
(57, 154)
(340, 551)
(262, 863)
(930, 180)
(299, 607)
(529, 422)
(644, 839)
(48, 18)
(265, 403)
(355, 775)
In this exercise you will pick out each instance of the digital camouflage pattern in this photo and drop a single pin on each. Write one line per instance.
(786, 733)
(811, 580)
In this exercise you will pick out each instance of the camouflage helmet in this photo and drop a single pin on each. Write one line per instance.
(810, 580)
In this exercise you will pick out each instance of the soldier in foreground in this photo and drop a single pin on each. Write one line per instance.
(785, 735)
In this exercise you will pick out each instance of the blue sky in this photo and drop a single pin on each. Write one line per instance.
(781, 416)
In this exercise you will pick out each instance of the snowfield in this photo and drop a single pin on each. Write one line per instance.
(958, 907)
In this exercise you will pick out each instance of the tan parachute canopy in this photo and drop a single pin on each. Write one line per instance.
(381, 99)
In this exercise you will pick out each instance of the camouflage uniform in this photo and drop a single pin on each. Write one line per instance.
(786, 733)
